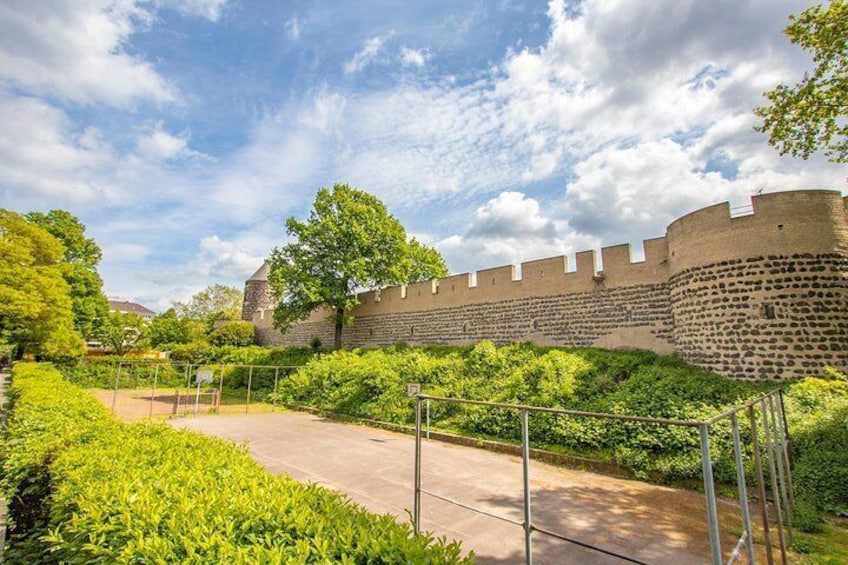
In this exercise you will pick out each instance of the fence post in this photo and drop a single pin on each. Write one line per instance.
(709, 492)
(525, 460)
(761, 485)
(777, 442)
(220, 392)
(743, 491)
(416, 505)
(276, 382)
(249, 385)
(774, 481)
(153, 395)
(784, 442)
(428, 420)
(115, 392)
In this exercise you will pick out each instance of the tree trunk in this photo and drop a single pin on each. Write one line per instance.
(337, 340)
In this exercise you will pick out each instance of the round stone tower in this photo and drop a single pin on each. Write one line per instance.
(257, 293)
(763, 295)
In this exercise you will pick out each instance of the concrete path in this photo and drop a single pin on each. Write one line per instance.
(375, 468)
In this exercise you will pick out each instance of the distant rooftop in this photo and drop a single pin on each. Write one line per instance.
(127, 307)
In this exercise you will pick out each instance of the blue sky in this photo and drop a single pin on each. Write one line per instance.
(184, 133)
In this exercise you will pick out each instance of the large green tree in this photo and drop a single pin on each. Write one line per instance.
(79, 268)
(213, 303)
(35, 305)
(349, 242)
(811, 116)
(122, 332)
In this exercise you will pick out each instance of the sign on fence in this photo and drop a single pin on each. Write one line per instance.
(204, 377)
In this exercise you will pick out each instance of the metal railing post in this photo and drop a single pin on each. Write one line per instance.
(249, 386)
(220, 392)
(276, 383)
(743, 491)
(709, 493)
(115, 392)
(428, 420)
(525, 459)
(777, 442)
(153, 394)
(761, 485)
(784, 442)
(416, 508)
(774, 481)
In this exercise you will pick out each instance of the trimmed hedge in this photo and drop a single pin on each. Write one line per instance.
(85, 488)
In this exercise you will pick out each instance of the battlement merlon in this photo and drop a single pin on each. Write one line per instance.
(782, 223)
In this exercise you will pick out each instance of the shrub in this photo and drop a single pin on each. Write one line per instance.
(100, 491)
(238, 334)
(817, 410)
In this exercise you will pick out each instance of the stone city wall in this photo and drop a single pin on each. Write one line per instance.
(761, 296)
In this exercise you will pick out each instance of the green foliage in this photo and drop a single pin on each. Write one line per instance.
(122, 332)
(213, 303)
(349, 242)
(811, 115)
(372, 383)
(35, 305)
(100, 491)
(817, 410)
(167, 328)
(424, 263)
(79, 268)
(806, 517)
(238, 334)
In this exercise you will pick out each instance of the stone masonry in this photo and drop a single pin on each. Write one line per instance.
(761, 296)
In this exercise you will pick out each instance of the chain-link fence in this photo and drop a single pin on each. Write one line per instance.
(144, 389)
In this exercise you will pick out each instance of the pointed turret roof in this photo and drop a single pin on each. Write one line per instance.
(261, 273)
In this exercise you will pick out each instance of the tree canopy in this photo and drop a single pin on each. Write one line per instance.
(79, 268)
(811, 116)
(349, 242)
(122, 332)
(35, 305)
(213, 303)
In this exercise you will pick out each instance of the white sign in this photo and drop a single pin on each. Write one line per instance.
(204, 377)
(413, 389)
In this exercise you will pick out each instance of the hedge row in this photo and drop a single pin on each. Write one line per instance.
(85, 488)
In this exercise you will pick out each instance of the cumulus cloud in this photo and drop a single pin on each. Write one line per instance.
(509, 229)
(45, 155)
(367, 55)
(75, 51)
(412, 57)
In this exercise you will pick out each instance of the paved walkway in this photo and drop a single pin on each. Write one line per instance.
(375, 468)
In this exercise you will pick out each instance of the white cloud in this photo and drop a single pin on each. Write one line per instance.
(125, 252)
(413, 57)
(508, 229)
(293, 28)
(74, 50)
(209, 9)
(44, 155)
(367, 55)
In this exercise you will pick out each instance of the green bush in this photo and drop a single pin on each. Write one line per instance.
(817, 410)
(238, 334)
(95, 490)
(372, 384)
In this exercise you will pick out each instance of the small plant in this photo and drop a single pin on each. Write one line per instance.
(315, 343)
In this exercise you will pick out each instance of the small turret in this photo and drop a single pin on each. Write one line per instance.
(257, 293)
